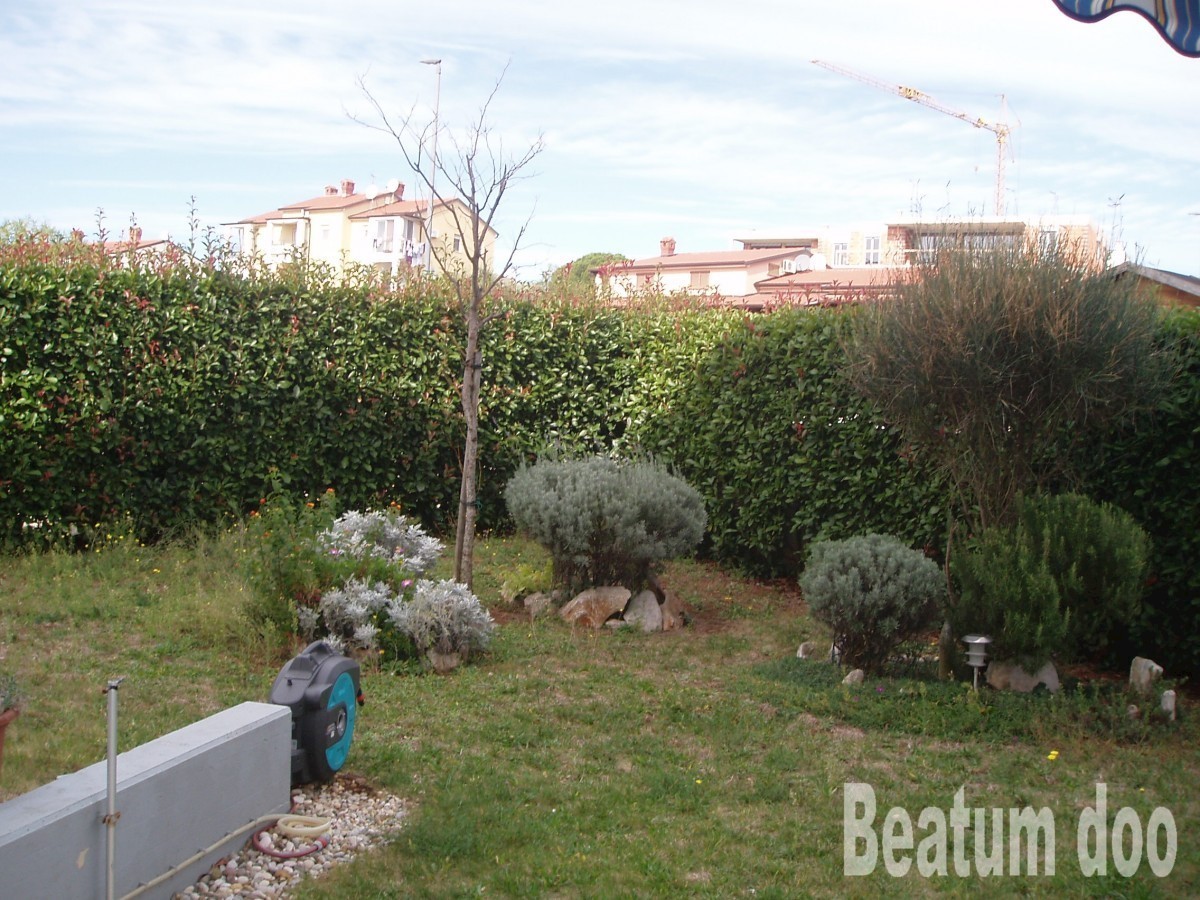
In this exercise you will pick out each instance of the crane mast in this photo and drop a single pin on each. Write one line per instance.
(1000, 130)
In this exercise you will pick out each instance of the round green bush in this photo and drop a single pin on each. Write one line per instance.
(1066, 579)
(605, 521)
(873, 592)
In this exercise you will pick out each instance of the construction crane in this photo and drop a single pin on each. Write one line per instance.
(999, 129)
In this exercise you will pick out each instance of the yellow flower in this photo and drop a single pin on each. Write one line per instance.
(1052, 755)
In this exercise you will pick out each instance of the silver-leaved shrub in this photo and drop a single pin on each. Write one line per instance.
(874, 592)
(606, 521)
(387, 535)
(443, 616)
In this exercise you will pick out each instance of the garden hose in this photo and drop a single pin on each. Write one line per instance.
(294, 826)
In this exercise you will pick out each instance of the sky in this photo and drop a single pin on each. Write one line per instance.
(698, 120)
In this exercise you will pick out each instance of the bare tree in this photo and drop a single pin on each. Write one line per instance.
(479, 172)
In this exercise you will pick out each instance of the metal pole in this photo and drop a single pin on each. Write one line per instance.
(110, 819)
(437, 102)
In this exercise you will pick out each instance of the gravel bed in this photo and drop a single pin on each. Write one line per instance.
(363, 817)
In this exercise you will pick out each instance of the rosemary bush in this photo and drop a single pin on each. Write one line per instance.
(873, 592)
(605, 521)
(1066, 579)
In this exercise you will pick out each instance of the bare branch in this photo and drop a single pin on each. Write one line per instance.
(479, 175)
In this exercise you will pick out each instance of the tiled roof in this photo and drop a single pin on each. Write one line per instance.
(259, 219)
(1187, 284)
(714, 258)
(859, 276)
(328, 201)
(395, 208)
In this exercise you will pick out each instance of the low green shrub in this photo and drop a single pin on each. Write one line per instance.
(1097, 555)
(282, 567)
(351, 580)
(873, 592)
(605, 521)
(1007, 591)
(10, 692)
(1065, 580)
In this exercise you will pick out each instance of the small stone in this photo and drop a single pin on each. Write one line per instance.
(536, 604)
(807, 650)
(1009, 676)
(855, 677)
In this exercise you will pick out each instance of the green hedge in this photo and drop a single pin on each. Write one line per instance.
(1151, 469)
(182, 397)
(784, 452)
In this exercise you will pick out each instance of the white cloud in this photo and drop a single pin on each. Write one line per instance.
(693, 117)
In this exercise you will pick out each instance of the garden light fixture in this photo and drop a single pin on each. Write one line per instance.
(977, 653)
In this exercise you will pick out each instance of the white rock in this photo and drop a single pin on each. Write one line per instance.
(1168, 705)
(644, 611)
(1009, 676)
(1143, 673)
(855, 677)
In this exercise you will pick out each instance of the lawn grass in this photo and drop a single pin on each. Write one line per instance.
(707, 762)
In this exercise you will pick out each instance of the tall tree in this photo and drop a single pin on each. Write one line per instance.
(478, 171)
(575, 278)
(996, 363)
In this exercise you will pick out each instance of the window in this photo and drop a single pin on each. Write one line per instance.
(643, 279)
(871, 251)
(841, 254)
(1048, 241)
(282, 234)
(933, 244)
(458, 243)
(699, 281)
(385, 229)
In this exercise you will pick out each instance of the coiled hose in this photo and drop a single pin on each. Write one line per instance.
(294, 826)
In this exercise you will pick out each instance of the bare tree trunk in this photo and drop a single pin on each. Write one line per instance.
(468, 506)
(482, 175)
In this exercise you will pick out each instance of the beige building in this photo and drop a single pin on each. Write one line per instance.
(831, 265)
(377, 228)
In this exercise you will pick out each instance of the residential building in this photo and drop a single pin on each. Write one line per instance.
(1168, 288)
(377, 228)
(725, 273)
(831, 266)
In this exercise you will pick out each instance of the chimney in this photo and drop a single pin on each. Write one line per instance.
(135, 234)
(399, 192)
(330, 190)
(347, 188)
(667, 246)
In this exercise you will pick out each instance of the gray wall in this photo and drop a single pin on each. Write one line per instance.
(176, 795)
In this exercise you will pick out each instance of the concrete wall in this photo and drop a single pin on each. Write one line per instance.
(176, 796)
